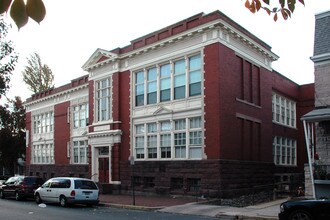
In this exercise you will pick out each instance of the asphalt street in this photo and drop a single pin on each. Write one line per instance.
(29, 210)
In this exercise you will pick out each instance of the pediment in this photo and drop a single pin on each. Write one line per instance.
(99, 56)
(162, 110)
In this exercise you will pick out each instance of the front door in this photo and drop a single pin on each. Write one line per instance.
(104, 170)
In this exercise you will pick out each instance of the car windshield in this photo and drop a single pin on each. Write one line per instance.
(84, 184)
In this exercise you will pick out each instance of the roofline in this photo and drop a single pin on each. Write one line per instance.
(182, 29)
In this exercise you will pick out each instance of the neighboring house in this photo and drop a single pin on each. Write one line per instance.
(195, 106)
(317, 122)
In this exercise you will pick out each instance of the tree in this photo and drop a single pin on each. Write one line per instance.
(21, 12)
(8, 57)
(12, 133)
(37, 76)
(285, 7)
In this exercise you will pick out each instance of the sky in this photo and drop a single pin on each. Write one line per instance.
(73, 30)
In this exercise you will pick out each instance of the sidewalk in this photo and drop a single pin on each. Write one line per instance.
(193, 206)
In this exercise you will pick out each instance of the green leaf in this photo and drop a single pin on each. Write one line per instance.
(266, 1)
(18, 13)
(36, 10)
(282, 2)
(291, 5)
(4, 5)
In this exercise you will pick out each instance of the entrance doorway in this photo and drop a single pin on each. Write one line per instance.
(104, 170)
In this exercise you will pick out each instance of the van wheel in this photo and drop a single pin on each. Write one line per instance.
(37, 198)
(2, 195)
(17, 196)
(63, 201)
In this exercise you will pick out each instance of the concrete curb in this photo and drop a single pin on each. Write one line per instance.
(133, 207)
(244, 217)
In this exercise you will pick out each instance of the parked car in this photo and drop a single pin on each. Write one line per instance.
(2, 181)
(20, 187)
(305, 210)
(68, 190)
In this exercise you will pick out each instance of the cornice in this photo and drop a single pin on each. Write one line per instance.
(56, 95)
(106, 133)
(217, 24)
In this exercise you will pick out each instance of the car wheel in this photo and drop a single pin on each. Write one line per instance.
(63, 201)
(37, 198)
(2, 195)
(300, 215)
(17, 196)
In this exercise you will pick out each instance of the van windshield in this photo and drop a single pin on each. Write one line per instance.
(84, 184)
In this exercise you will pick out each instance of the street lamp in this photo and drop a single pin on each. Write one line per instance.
(132, 162)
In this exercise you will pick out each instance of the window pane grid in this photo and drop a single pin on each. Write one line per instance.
(43, 154)
(103, 98)
(284, 151)
(170, 81)
(43, 123)
(80, 152)
(283, 111)
(162, 142)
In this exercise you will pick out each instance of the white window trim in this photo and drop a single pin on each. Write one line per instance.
(172, 87)
(292, 107)
(188, 146)
(281, 146)
(96, 109)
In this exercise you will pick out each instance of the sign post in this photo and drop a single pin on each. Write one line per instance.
(132, 162)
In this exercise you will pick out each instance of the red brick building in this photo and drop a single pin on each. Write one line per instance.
(196, 104)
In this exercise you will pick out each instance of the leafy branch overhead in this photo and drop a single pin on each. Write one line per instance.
(20, 11)
(8, 57)
(284, 7)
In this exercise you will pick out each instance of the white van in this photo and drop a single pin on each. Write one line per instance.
(68, 190)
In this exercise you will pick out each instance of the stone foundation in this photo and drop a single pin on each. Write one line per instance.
(208, 178)
(48, 171)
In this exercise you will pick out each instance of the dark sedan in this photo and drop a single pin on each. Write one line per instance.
(305, 210)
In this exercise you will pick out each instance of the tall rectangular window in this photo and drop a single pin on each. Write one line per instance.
(103, 99)
(195, 66)
(139, 88)
(80, 115)
(165, 139)
(152, 140)
(195, 137)
(152, 86)
(180, 138)
(80, 152)
(180, 79)
(139, 141)
(165, 82)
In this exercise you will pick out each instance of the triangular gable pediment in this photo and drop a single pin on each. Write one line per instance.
(99, 56)
(162, 110)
